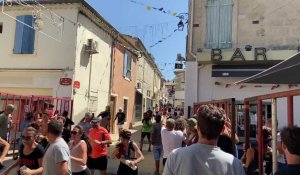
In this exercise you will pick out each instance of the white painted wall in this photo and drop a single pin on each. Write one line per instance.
(209, 91)
(49, 54)
(191, 87)
(101, 67)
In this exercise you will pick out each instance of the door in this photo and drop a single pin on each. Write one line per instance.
(112, 105)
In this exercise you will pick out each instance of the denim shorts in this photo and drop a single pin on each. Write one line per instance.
(157, 151)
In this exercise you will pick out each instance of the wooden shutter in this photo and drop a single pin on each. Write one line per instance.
(18, 35)
(28, 35)
(131, 67)
(219, 24)
(125, 63)
(24, 35)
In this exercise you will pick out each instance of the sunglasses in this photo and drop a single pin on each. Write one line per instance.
(27, 138)
(74, 132)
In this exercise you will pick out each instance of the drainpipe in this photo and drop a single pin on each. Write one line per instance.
(111, 68)
(90, 78)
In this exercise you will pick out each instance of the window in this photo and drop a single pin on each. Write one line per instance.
(127, 66)
(219, 24)
(1, 27)
(125, 103)
(24, 35)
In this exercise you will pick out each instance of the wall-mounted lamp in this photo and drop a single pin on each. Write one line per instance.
(248, 47)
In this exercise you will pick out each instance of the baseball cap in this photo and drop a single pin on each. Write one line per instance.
(88, 114)
(96, 120)
(192, 122)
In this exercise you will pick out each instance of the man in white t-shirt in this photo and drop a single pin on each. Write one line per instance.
(204, 157)
(170, 138)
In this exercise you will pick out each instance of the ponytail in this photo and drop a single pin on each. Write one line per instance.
(88, 143)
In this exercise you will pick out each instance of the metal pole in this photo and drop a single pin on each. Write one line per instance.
(274, 134)
(233, 123)
(90, 81)
(260, 138)
(246, 124)
(290, 110)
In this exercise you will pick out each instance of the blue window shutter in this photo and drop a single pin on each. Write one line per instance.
(28, 36)
(131, 66)
(125, 63)
(219, 24)
(225, 32)
(18, 35)
(212, 24)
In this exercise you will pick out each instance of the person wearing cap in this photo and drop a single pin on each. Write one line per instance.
(170, 138)
(129, 154)
(99, 138)
(192, 133)
(4, 120)
(121, 116)
(156, 142)
(86, 122)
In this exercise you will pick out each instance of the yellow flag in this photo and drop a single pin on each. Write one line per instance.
(148, 7)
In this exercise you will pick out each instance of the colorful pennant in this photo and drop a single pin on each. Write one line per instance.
(160, 9)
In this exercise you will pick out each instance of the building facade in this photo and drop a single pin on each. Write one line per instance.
(149, 81)
(229, 40)
(35, 58)
(124, 78)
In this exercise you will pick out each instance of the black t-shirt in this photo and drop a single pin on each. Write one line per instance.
(289, 170)
(104, 114)
(31, 160)
(66, 135)
(121, 118)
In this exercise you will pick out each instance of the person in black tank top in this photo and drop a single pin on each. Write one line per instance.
(128, 153)
(250, 157)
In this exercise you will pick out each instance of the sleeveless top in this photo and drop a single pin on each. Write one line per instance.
(123, 153)
(253, 167)
(74, 150)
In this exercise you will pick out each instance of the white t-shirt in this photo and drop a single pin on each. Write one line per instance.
(170, 140)
(203, 159)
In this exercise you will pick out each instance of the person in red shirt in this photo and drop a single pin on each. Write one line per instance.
(100, 138)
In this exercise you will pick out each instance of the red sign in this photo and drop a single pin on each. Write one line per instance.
(65, 81)
(76, 84)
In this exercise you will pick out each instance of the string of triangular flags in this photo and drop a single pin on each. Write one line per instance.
(160, 9)
(227, 85)
(164, 38)
(137, 52)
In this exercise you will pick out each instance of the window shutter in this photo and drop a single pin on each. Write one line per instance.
(28, 35)
(18, 35)
(219, 24)
(212, 24)
(125, 63)
(225, 24)
(131, 66)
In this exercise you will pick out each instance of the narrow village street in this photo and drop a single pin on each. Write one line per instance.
(145, 168)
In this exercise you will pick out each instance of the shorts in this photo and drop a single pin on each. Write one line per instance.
(84, 172)
(126, 170)
(157, 151)
(99, 163)
(145, 134)
(120, 126)
(164, 161)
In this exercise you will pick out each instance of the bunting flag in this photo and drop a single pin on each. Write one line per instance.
(275, 86)
(292, 85)
(242, 86)
(137, 52)
(160, 9)
(227, 85)
(164, 38)
(258, 86)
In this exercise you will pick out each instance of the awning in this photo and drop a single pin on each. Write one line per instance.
(238, 70)
(285, 72)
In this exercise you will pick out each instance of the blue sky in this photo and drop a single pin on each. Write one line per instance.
(151, 26)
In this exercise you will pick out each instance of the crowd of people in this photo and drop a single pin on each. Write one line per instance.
(51, 144)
